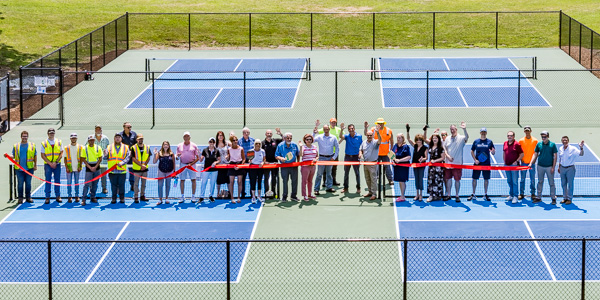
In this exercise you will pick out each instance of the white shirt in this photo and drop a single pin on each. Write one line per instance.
(566, 158)
(455, 146)
(73, 150)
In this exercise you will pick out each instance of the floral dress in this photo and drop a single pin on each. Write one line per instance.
(435, 178)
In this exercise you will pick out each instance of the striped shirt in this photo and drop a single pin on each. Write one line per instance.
(309, 154)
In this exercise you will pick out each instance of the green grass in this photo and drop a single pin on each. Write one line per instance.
(31, 28)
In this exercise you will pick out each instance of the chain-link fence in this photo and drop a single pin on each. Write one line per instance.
(580, 42)
(301, 269)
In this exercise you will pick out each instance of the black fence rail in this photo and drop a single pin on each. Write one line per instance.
(580, 42)
(482, 268)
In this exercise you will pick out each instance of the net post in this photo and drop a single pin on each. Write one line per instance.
(308, 67)
(433, 31)
(336, 95)
(583, 269)
(103, 45)
(153, 104)
(427, 100)
(519, 98)
(21, 93)
(145, 69)
(249, 31)
(311, 31)
(10, 181)
(496, 30)
(244, 100)
(228, 253)
(373, 31)
(62, 97)
(49, 269)
(405, 273)
(189, 31)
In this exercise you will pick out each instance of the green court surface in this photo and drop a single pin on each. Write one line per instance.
(324, 270)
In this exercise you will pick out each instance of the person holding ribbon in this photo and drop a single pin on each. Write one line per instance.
(211, 157)
(385, 145)
(454, 146)
(401, 156)
(102, 141)
(353, 142)
(420, 154)
(236, 156)
(141, 157)
(166, 165)
(51, 154)
(369, 152)
(567, 154)
(435, 178)
(118, 155)
(329, 150)
(308, 153)
(129, 138)
(188, 155)
(257, 158)
(223, 146)
(288, 152)
(512, 155)
(25, 155)
(247, 143)
(545, 154)
(480, 151)
(91, 156)
(73, 166)
(337, 132)
(271, 174)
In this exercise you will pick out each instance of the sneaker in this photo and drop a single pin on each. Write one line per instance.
(521, 197)
(553, 201)
(29, 200)
(200, 199)
(122, 200)
(472, 197)
(399, 199)
(269, 194)
(193, 199)
(317, 193)
(295, 199)
(58, 200)
(182, 200)
(344, 190)
(446, 198)
(514, 200)
(83, 202)
(563, 201)
(457, 199)
(94, 200)
(20, 201)
(211, 199)
(113, 201)
(159, 202)
(429, 200)
(260, 199)
(284, 199)
(536, 199)
(509, 198)
(253, 200)
(487, 198)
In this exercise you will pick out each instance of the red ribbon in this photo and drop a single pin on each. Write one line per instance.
(168, 176)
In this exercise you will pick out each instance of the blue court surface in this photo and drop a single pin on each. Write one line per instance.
(456, 82)
(225, 83)
(587, 175)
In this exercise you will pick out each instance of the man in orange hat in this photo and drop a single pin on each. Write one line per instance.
(385, 145)
(335, 131)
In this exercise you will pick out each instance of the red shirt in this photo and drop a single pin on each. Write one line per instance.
(511, 152)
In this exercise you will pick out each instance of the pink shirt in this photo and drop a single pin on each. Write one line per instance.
(309, 153)
(188, 152)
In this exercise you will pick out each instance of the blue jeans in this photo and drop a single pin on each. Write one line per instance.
(91, 186)
(49, 173)
(22, 177)
(324, 169)
(73, 177)
(567, 179)
(206, 177)
(117, 185)
(531, 178)
(512, 178)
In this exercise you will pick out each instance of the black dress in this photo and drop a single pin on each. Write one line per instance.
(435, 178)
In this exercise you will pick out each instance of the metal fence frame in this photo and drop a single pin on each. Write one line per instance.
(7, 91)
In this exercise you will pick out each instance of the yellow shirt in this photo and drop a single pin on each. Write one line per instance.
(528, 146)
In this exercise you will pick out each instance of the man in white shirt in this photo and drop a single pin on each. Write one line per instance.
(567, 154)
(454, 146)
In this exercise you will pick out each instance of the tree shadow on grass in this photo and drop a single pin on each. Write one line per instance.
(10, 58)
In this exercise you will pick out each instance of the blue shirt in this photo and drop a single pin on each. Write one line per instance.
(283, 150)
(328, 145)
(352, 143)
(482, 150)
(401, 152)
(247, 145)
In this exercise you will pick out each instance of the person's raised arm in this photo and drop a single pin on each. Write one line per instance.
(463, 125)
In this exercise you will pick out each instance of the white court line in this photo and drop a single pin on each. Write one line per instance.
(446, 63)
(215, 98)
(592, 152)
(150, 85)
(499, 220)
(499, 171)
(529, 82)
(122, 221)
(249, 244)
(238, 65)
(400, 257)
(106, 253)
(462, 97)
(299, 82)
(540, 251)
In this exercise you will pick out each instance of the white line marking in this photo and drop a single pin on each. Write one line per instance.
(106, 253)
(499, 171)
(215, 98)
(238, 65)
(499, 220)
(446, 63)
(540, 251)
(529, 82)
(591, 151)
(400, 257)
(149, 85)
(298, 86)
(249, 244)
(221, 282)
(10, 213)
(161, 221)
(462, 97)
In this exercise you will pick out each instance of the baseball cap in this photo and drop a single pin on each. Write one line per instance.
(139, 136)
(212, 139)
(73, 135)
(51, 130)
(527, 128)
(91, 137)
(186, 133)
(118, 134)
(98, 126)
(483, 129)
(257, 141)
(544, 133)
(333, 120)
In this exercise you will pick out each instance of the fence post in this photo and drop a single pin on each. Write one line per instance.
(244, 99)
(49, 269)
(228, 247)
(153, 103)
(496, 30)
(580, 29)
(127, 28)
(405, 275)
(379, 171)
(21, 93)
(570, 21)
(91, 54)
(583, 269)
(77, 62)
(10, 182)
(427, 100)
(61, 91)
(336, 95)
(60, 57)
(311, 31)
(519, 98)
(116, 38)
(560, 16)
(373, 31)
(592, 50)
(250, 32)
(433, 31)
(189, 31)
(8, 99)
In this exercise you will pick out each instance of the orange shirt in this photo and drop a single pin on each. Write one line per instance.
(385, 134)
(528, 146)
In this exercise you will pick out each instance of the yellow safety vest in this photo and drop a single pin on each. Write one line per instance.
(140, 157)
(115, 157)
(96, 152)
(68, 154)
(52, 151)
(30, 155)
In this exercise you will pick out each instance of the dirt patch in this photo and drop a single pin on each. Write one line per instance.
(587, 57)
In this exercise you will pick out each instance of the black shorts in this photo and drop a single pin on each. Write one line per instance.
(486, 174)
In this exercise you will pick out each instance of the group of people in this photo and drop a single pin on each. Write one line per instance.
(128, 150)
